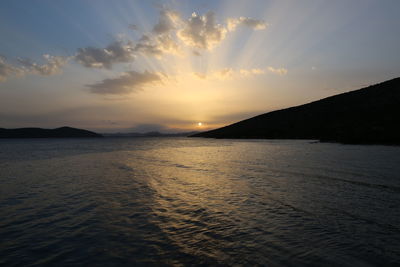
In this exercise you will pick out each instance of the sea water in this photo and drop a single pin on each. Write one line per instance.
(190, 201)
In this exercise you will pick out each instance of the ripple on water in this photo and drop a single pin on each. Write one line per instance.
(191, 202)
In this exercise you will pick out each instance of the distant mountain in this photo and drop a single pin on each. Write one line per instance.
(150, 134)
(63, 132)
(366, 116)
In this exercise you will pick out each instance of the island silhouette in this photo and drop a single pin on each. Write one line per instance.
(369, 115)
(62, 132)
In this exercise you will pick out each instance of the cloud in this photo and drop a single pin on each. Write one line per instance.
(202, 31)
(52, 66)
(26, 66)
(255, 24)
(156, 46)
(200, 75)
(279, 71)
(148, 49)
(221, 74)
(249, 72)
(6, 69)
(128, 82)
(229, 73)
(225, 73)
(160, 40)
(167, 44)
(256, 71)
(155, 43)
(167, 36)
(167, 21)
(116, 52)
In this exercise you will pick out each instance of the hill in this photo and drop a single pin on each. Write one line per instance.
(63, 132)
(366, 116)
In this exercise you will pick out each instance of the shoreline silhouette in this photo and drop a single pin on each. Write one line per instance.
(364, 116)
(62, 132)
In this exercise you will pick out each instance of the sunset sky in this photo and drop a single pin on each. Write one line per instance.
(141, 66)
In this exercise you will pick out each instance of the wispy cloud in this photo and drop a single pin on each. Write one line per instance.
(250, 72)
(52, 66)
(6, 69)
(255, 24)
(279, 71)
(222, 74)
(128, 82)
(229, 73)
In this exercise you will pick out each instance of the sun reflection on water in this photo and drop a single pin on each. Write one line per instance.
(196, 194)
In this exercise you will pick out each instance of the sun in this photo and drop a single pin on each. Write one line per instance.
(199, 124)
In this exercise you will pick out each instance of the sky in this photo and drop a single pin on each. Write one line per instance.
(171, 66)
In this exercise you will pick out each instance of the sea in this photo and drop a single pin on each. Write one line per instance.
(198, 202)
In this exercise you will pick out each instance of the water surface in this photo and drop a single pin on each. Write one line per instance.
(184, 201)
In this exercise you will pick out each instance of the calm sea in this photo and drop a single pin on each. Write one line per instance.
(189, 201)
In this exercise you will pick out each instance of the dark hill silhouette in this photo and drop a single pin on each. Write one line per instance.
(63, 132)
(366, 116)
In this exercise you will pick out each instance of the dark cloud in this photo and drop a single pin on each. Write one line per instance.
(116, 52)
(128, 82)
